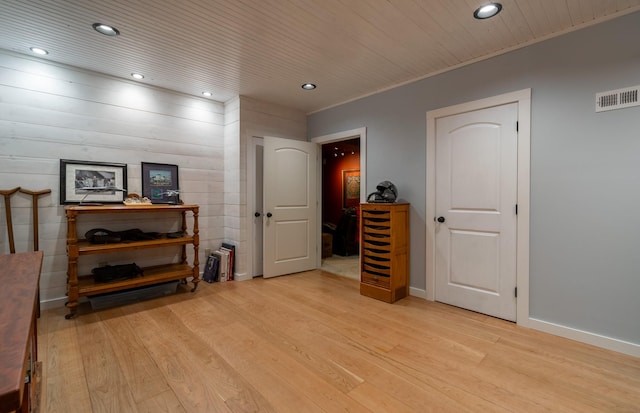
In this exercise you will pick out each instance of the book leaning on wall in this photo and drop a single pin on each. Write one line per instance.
(219, 264)
(211, 268)
(224, 264)
(230, 262)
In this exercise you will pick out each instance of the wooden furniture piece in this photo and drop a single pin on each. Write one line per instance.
(384, 251)
(81, 286)
(19, 277)
(327, 245)
(345, 237)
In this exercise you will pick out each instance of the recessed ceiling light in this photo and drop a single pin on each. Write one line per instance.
(207, 94)
(137, 76)
(105, 29)
(487, 11)
(308, 86)
(39, 51)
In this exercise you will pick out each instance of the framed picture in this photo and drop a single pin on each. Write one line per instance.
(350, 188)
(88, 182)
(160, 183)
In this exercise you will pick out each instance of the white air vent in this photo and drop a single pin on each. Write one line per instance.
(617, 99)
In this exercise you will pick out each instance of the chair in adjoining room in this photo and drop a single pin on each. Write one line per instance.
(345, 236)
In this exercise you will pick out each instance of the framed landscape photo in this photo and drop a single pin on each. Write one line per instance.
(160, 183)
(89, 182)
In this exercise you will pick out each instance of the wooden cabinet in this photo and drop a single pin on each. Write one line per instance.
(84, 285)
(384, 251)
(19, 277)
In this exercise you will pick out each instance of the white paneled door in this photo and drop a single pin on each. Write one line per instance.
(290, 206)
(475, 223)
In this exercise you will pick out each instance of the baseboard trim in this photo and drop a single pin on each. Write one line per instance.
(241, 276)
(586, 337)
(53, 303)
(417, 292)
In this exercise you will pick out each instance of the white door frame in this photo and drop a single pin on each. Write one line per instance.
(336, 137)
(254, 142)
(523, 99)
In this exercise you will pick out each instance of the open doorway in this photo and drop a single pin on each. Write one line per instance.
(341, 195)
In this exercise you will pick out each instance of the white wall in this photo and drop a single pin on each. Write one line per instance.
(50, 112)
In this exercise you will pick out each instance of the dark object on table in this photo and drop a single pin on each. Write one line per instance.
(132, 295)
(137, 235)
(386, 192)
(104, 236)
(177, 234)
(111, 273)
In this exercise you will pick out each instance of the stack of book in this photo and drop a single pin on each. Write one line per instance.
(220, 264)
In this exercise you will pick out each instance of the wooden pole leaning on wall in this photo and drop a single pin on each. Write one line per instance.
(34, 196)
(6, 193)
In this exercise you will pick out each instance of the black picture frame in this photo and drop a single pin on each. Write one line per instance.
(90, 182)
(160, 183)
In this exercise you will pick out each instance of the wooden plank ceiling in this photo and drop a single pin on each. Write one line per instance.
(267, 48)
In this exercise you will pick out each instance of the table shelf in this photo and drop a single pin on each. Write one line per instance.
(85, 285)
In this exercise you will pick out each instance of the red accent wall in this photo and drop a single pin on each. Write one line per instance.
(332, 190)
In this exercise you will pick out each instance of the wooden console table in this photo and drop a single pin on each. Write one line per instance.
(19, 277)
(84, 285)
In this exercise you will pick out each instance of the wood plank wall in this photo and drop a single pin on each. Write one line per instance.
(50, 112)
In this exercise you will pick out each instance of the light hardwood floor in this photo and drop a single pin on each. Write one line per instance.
(310, 343)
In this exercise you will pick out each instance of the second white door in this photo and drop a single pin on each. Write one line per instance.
(290, 206)
(476, 195)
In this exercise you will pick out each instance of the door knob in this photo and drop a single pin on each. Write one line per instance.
(257, 214)
(440, 219)
(269, 214)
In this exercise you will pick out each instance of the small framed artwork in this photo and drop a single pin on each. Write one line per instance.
(160, 183)
(88, 182)
(350, 188)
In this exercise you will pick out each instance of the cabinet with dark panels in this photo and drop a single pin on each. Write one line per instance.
(384, 251)
(85, 285)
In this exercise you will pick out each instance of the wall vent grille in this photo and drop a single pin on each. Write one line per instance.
(617, 99)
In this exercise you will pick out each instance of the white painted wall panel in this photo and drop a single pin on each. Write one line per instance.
(50, 112)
